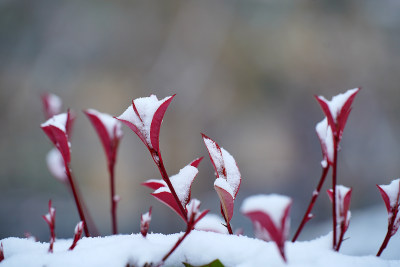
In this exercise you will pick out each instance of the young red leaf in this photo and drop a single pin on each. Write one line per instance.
(228, 177)
(144, 117)
(56, 129)
(52, 105)
(337, 110)
(77, 234)
(109, 131)
(343, 214)
(145, 220)
(50, 219)
(181, 183)
(391, 196)
(270, 217)
(193, 212)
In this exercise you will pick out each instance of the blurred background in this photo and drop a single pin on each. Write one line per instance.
(244, 72)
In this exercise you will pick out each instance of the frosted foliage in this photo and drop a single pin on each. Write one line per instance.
(222, 183)
(260, 232)
(109, 122)
(274, 205)
(55, 164)
(216, 156)
(232, 171)
(392, 191)
(325, 135)
(55, 103)
(338, 101)
(193, 209)
(212, 223)
(181, 183)
(59, 121)
(341, 192)
(146, 107)
(146, 217)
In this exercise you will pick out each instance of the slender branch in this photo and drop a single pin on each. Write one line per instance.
(334, 174)
(388, 234)
(114, 201)
(188, 230)
(229, 228)
(77, 200)
(339, 243)
(307, 215)
(158, 160)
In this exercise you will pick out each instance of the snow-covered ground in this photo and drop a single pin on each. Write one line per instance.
(366, 232)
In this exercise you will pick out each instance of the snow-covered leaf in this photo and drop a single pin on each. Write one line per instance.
(52, 105)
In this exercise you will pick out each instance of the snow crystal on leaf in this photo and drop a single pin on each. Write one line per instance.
(274, 205)
(58, 121)
(222, 183)
(109, 123)
(232, 171)
(392, 191)
(181, 183)
(146, 107)
(338, 101)
(55, 164)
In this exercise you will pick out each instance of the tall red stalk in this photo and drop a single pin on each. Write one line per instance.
(114, 199)
(334, 174)
(77, 199)
(307, 215)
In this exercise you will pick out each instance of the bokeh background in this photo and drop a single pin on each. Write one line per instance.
(244, 72)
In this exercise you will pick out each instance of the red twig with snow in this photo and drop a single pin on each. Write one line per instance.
(50, 219)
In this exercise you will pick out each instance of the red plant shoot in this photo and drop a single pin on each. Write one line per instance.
(337, 112)
(110, 133)
(391, 196)
(181, 182)
(144, 117)
(50, 219)
(145, 220)
(325, 136)
(58, 130)
(194, 216)
(343, 214)
(77, 234)
(228, 178)
(52, 105)
(270, 217)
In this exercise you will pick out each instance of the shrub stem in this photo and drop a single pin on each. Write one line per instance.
(307, 216)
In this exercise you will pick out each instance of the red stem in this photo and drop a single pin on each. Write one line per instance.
(158, 160)
(389, 233)
(188, 230)
(114, 201)
(334, 174)
(307, 214)
(76, 198)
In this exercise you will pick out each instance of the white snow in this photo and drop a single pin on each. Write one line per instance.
(54, 103)
(78, 227)
(198, 248)
(274, 205)
(146, 107)
(325, 135)
(335, 105)
(146, 218)
(393, 191)
(223, 160)
(109, 122)
(59, 121)
(212, 223)
(193, 209)
(222, 183)
(55, 164)
(181, 183)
